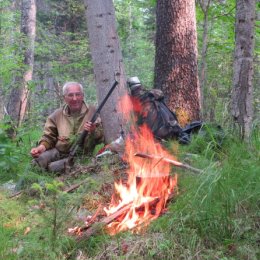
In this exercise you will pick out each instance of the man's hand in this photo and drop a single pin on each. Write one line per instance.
(90, 127)
(35, 152)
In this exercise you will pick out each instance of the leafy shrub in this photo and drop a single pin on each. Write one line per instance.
(8, 155)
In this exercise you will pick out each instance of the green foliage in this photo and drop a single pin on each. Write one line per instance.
(61, 54)
(15, 157)
(10, 224)
(44, 221)
(208, 141)
(211, 213)
(215, 214)
(10, 51)
(219, 59)
(9, 156)
(219, 205)
(6, 235)
(136, 31)
(68, 55)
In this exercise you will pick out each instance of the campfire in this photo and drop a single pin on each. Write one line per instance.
(143, 197)
(148, 187)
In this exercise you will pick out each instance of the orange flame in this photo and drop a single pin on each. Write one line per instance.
(148, 185)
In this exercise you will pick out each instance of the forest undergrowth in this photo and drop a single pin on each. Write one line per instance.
(214, 215)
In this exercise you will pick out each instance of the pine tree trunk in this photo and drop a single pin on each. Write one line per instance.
(242, 95)
(176, 69)
(107, 60)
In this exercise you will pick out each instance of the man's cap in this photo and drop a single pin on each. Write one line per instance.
(133, 81)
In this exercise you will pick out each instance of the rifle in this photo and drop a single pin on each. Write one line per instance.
(61, 165)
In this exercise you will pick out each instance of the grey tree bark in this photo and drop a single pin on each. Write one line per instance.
(17, 103)
(242, 94)
(107, 59)
(176, 69)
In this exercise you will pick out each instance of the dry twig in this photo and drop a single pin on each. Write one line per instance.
(164, 159)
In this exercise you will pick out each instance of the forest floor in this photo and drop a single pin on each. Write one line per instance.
(213, 215)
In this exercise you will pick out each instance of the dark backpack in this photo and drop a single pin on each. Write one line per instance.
(160, 119)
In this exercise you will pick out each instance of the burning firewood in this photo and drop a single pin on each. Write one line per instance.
(94, 227)
(164, 159)
(143, 196)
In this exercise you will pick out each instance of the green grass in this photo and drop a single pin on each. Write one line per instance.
(215, 214)
(219, 208)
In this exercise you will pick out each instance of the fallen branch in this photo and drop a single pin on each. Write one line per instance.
(98, 226)
(90, 230)
(74, 187)
(94, 217)
(175, 163)
(89, 222)
(16, 194)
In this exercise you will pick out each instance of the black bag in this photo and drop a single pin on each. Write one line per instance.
(160, 119)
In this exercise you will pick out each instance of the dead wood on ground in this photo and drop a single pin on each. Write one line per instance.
(164, 159)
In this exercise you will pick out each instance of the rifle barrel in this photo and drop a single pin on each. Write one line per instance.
(84, 133)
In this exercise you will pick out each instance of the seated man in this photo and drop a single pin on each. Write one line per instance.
(64, 124)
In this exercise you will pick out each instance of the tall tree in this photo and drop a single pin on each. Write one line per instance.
(107, 60)
(242, 95)
(19, 95)
(176, 69)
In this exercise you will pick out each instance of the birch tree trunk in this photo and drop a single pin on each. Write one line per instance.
(107, 59)
(176, 69)
(19, 95)
(242, 95)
